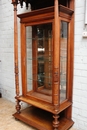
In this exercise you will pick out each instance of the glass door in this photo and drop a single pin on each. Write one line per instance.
(39, 60)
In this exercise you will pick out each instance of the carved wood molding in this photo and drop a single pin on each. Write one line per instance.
(15, 2)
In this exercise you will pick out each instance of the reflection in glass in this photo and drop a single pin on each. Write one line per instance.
(63, 60)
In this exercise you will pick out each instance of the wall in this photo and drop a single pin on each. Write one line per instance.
(80, 69)
(7, 77)
(6, 50)
(7, 80)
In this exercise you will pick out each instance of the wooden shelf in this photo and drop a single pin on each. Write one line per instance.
(41, 119)
(45, 106)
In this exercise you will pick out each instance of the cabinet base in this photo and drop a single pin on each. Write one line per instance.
(42, 120)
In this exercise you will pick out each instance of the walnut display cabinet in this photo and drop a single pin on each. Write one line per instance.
(47, 44)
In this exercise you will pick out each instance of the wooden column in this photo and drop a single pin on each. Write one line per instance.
(56, 70)
(14, 2)
(71, 54)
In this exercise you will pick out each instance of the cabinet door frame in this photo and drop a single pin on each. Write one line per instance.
(70, 50)
(24, 54)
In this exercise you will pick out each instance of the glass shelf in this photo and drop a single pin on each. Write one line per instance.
(41, 58)
(63, 82)
(37, 38)
(42, 78)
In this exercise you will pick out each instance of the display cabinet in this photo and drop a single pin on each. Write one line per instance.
(47, 42)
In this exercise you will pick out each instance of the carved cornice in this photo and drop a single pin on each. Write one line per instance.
(15, 2)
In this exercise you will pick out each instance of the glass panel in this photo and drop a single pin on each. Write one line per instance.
(63, 60)
(29, 56)
(39, 58)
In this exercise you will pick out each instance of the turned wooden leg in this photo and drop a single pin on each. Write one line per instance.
(18, 106)
(55, 122)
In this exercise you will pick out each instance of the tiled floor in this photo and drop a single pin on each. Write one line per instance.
(7, 121)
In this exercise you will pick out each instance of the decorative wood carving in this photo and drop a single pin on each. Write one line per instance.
(55, 122)
(15, 2)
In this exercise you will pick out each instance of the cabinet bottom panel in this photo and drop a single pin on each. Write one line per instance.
(42, 120)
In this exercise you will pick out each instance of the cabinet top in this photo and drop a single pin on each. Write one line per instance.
(38, 4)
(49, 11)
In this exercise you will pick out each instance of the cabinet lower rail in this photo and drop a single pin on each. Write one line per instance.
(41, 120)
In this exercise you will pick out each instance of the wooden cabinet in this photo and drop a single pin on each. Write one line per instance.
(47, 36)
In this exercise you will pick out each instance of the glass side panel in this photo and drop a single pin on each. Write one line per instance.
(29, 55)
(39, 58)
(63, 60)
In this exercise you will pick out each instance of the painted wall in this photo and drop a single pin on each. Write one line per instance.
(80, 69)
(6, 50)
(7, 80)
(7, 77)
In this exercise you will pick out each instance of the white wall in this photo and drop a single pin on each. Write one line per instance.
(80, 69)
(7, 80)
(7, 77)
(6, 50)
